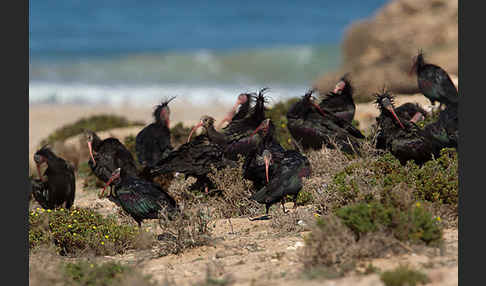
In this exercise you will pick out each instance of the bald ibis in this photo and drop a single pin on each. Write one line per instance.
(315, 127)
(434, 82)
(59, 188)
(141, 199)
(340, 101)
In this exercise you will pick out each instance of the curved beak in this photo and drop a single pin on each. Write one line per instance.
(232, 112)
(91, 152)
(318, 109)
(267, 164)
(39, 172)
(390, 108)
(194, 129)
(106, 185)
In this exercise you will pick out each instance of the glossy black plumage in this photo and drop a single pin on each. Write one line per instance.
(434, 82)
(109, 155)
(407, 143)
(152, 143)
(340, 100)
(285, 180)
(314, 127)
(141, 199)
(59, 185)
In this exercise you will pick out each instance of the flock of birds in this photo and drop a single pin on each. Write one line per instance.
(274, 171)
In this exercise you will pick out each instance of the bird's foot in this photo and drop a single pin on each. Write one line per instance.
(264, 217)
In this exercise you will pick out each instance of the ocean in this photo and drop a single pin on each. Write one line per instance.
(114, 52)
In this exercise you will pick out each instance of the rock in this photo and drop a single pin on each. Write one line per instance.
(379, 51)
(221, 254)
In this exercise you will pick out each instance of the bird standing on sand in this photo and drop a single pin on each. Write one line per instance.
(286, 179)
(340, 100)
(139, 198)
(107, 155)
(313, 127)
(434, 82)
(60, 185)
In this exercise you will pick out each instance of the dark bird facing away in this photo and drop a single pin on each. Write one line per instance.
(153, 143)
(434, 82)
(286, 179)
(60, 186)
(111, 154)
(255, 168)
(446, 128)
(340, 101)
(196, 157)
(314, 127)
(139, 198)
(404, 139)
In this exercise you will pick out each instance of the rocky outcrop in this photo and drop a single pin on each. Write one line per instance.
(379, 51)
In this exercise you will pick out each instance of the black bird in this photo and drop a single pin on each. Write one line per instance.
(406, 112)
(404, 139)
(238, 132)
(254, 167)
(313, 127)
(152, 143)
(286, 179)
(340, 100)
(139, 198)
(434, 82)
(244, 102)
(111, 154)
(196, 157)
(59, 188)
(446, 128)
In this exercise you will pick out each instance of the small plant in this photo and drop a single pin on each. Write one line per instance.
(109, 273)
(75, 231)
(191, 228)
(95, 123)
(404, 276)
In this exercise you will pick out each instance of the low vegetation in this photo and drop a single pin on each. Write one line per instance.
(94, 123)
(404, 276)
(79, 231)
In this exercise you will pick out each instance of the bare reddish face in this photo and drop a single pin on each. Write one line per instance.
(339, 87)
(165, 115)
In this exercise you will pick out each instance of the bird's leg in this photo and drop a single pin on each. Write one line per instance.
(295, 201)
(264, 217)
(283, 205)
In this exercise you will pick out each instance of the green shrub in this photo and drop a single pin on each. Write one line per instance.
(179, 134)
(403, 276)
(95, 123)
(415, 224)
(77, 230)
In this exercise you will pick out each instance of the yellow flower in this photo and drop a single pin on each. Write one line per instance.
(62, 209)
(289, 140)
(106, 236)
(70, 226)
(94, 227)
(36, 214)
(102, 243)
(438, 218)
(91, 265)
(283, 125)
(74, 234)
(48, 211)
(418, 204)
(317, 215)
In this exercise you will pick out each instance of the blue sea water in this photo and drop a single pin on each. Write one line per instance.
(101, 51)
